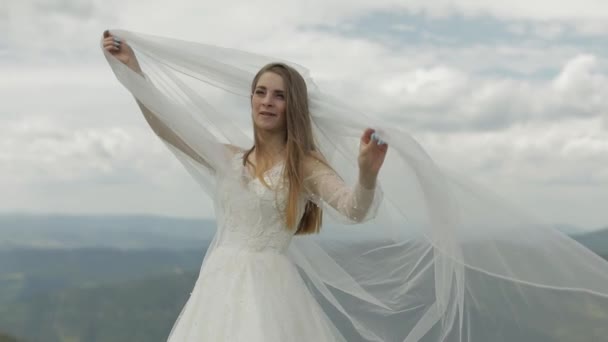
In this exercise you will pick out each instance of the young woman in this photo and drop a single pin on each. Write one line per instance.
(249, 290)
(439, 258)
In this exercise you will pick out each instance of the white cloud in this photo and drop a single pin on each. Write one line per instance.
(580, 75)
(445, 98)
(67, 125)
(557, 171)
(426, 87)
(572, 151)
(38, 149)
(549, 31)
(588, 16)
(68, 25)
(48, 31)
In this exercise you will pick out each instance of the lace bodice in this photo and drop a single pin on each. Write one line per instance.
(251, 215)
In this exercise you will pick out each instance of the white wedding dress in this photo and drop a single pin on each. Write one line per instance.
(248, 288)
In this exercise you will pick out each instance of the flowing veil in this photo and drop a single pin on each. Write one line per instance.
(443, 259)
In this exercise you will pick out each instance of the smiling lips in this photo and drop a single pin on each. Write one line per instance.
(267, 114)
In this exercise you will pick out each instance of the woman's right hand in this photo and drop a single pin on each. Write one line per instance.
(121, 50)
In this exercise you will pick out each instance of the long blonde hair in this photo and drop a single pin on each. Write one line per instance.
(299, 145)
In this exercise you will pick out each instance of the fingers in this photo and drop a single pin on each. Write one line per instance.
(376, 138)
(367, 135)
(370, 136)
(110, 42)
(111, 46)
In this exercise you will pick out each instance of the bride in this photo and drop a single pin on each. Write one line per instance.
(249, 290)
(440, 259)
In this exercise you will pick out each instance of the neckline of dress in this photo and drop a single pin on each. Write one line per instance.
(270, 169)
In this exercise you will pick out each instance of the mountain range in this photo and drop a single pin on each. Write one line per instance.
(111, 278)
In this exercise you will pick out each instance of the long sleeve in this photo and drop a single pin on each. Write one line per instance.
(169, 136)
(354, 204)
(182, 132)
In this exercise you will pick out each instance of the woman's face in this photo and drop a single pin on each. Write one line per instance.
(268, 103)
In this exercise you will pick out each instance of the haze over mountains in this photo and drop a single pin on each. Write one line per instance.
(122, 232)
(111, 278)
(147, 231)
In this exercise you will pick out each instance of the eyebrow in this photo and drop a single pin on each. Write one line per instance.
(276, 91)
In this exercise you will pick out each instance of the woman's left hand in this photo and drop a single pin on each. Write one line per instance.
(371, 156)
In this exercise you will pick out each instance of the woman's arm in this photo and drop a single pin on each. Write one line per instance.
(166, 134)
(125, 54)
(356, 203)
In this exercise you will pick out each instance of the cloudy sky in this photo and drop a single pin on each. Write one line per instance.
(512, 94)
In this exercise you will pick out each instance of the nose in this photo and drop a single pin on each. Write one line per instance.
(267, 100)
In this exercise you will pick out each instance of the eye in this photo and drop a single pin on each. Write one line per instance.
(259, 92)
(281, 96)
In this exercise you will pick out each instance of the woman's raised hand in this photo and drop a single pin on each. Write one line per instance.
(372, 152)
(121, 50)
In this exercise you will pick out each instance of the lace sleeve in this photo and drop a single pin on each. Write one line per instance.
(354, 204)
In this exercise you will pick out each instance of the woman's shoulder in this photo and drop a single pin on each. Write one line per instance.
(314, 157)
(234, 150)
(233, 155)
(313, 161)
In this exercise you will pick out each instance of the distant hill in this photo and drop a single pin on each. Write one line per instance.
(145, 310)
(27, 272)
(6, 338)
(138, 311)
(122, 232)
(121, 278)
(568, 229)
(25, 231)
(597, 241)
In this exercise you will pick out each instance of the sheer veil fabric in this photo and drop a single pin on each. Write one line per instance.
(443, 259)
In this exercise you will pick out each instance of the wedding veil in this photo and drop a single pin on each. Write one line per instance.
(443, 260)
